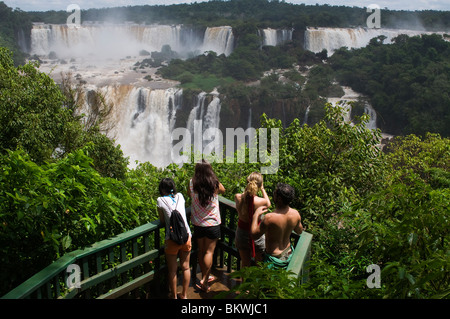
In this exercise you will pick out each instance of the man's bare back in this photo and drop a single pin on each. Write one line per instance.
(278, 227)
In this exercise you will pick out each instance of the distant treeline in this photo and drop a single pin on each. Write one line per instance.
(273, 14)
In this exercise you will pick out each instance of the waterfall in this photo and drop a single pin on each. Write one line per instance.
(219, 40)
(118, 41)
(196, 114)
(372, 124)
(141, 121)
(305, 121)
(331, 39)
(351, 96)
(273, 37)
(209, 113)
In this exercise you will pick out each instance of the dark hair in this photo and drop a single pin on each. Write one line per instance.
(285, 193)
(205, 182)
(167, 186)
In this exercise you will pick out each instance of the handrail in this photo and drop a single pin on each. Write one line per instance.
(118, 265)
(299, 264)
(50, 281)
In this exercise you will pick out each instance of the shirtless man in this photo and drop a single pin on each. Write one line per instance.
(278, 226)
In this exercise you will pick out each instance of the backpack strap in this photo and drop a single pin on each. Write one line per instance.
(176, 204)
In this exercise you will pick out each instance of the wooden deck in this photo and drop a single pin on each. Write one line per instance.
(222, 282)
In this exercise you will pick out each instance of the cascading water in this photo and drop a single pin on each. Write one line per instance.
(219, 40)
(372, 124)
(273, 37)
(331, 39)
(352, 96)
(206, 114)
(118, 41)
(141, 121)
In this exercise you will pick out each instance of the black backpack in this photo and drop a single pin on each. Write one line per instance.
(177, 228)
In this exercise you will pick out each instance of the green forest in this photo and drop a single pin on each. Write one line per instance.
(64, 185)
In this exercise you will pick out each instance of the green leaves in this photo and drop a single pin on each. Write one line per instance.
(48, 210)
(264, 283)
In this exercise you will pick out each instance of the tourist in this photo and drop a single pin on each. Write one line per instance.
(277, 227)
(169, 201)
(246, 204)
(204, 188)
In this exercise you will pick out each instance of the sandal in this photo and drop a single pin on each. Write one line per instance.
(202, 287)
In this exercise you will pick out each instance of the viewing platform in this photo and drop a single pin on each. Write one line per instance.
(131, 265)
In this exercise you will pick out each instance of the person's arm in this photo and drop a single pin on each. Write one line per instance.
(258, 229)
(189, 188)
(161, 215)
(265, 196)
(299, 228)
(221, 189)
(237, 199)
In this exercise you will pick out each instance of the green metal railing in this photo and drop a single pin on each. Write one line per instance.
(109, 268)
(135, 259)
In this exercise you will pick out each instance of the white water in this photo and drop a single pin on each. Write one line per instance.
(352, 96)
(141, 121)
(119, 41)
(219, 40)
(331, 39)
(273, 37)
(209, 114)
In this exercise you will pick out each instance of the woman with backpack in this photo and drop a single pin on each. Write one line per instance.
(168, 204)
(204, 188)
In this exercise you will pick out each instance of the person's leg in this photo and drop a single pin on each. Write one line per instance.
(207, 259)
(245, 258)
(172, 274)
(201, 253)
(242, 244)
(186, 272)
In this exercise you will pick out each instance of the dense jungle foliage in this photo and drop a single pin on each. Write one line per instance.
(64, 185)
(363, 206)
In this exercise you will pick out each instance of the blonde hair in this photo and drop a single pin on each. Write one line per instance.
(254, 183)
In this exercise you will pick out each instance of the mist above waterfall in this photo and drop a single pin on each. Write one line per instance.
(114, 41)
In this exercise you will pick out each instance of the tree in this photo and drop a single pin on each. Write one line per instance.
(31, 112)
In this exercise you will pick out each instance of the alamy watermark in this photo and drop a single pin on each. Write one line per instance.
(374, 20)
(74, 278)
(73, 20)
(208, 144)
(374, 280)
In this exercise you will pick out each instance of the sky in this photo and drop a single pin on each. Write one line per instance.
(45, 5)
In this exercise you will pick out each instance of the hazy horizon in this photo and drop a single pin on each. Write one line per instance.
(58, 5)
